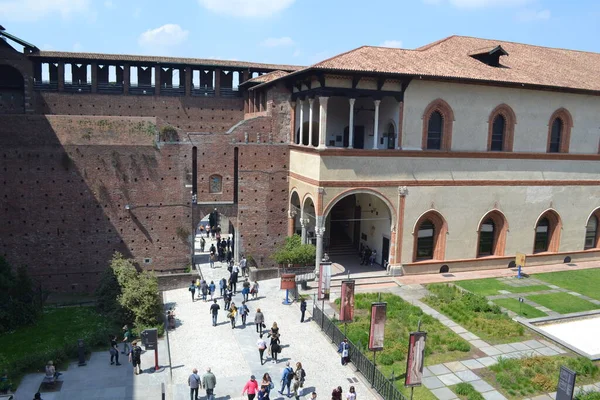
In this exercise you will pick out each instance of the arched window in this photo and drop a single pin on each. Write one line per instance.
(437, 126)
(559, 131)
(501, 123)
(425, 241)
(430, 237)
(498, 128)
(542, 236)
(555, 136)
(591, 233)
(487, 238)
(434, 131)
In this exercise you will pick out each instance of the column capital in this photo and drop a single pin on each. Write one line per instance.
(320, 231)
(311, 101)
(377, 102)
(292, 213)
(351, 100)
(402, 191)
(323, 100)
(321, 190)
(300, 101)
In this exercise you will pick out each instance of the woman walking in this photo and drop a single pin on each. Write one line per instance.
(300, 375)
(114, 350)
(267, 383)
(351, 394)
(337, 393)
(259, 320)
(254, 290)
(232, 314)
(274, 347)
(262, 345)
(211, 290)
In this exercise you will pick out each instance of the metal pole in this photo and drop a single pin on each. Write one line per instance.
(412, 390)
(322, 312)
(374, 366)
(419, 325)
(156, 358)
(345, 329)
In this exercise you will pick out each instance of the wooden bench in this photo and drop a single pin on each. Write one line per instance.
(6, 396)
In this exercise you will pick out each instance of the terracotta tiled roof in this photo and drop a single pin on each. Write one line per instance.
(268, 77)
(165, 60)
(449, 58)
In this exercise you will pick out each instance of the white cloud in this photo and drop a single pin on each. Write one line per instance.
(480, 3)
(33, 10)
(246, 8)
(277, 42)
(392, 43)
(163, 37)
(532, 15)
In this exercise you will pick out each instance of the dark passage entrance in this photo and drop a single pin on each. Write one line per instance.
(385, 251)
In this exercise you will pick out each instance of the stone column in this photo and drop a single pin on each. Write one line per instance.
(189, 76)
(376, 126)
(301, 132)
(94, 66)
(292, 121)
(245, 75)
(351, 124)
(157, 71)
(323, 122)
(217, 82)
(291, 217)
(310, 121)
(126, 78)
(319, 232)
(303, 226)
(400, 122)
(61, 76)
(402, 193)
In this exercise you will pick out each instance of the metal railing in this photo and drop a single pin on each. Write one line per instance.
(383, 385)
(142, 89)
(78, 87)
(230, 92)
(45, 86)
(110, 88)
(203, 91)
(172, 90)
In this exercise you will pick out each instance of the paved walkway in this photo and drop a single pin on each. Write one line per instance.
(232, 353)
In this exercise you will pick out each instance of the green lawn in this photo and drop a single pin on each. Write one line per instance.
(532, 376)
(585, 281)
(491, 286)
(53, 337)
(473, 312)
(563, 303)
(525, 310)
(402, 318)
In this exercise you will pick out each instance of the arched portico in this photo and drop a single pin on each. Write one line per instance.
(295, 213)
(356, 220)
(308, 219)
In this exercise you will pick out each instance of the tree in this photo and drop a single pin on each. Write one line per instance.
(293, 252)
(135, 294)
(19, 300)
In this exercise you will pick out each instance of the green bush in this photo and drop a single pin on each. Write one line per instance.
(587, 395)
(467, 390)
(169, 134)
(293, 252)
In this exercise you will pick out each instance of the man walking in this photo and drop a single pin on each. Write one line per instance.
(244, 312)
(209, 381)
(227, 298)
(244, 266)
(251, 388)
(214, 311)
(222, 286)
(286, 378)
(302, 309)
(194, 383)
(126, 340)
(192, 289)
(262, 345)
(245, 290)
(233, 279)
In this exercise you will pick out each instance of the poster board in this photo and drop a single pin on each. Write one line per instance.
(324, 281)
(377, 329)
(415, 359)
(347, 301)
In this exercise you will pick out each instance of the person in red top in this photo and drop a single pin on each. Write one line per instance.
(251, 388)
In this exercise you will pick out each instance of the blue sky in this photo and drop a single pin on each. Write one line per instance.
(298, 32)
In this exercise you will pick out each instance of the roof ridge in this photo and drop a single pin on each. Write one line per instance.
(498, 41)
(336, 56)
(432, 44)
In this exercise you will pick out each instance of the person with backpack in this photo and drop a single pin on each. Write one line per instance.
(244, 311)
(192, 289)
(214, 311)
(194, 384)
(245, 289)
(344, 350)
(232, 315)
(262, 346)
(286, 379)
(204, 289)
(135, 357)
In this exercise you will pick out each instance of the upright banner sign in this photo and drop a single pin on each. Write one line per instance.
(566, 384)
(347, 301)
(377, 331)
(324, 281)
(520, 260)
(414, 361)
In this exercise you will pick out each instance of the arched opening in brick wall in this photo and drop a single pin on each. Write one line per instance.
(492, 234)
(592, 231)
(430, 237)
(295, 213)
(12, 85)
(547, 233)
